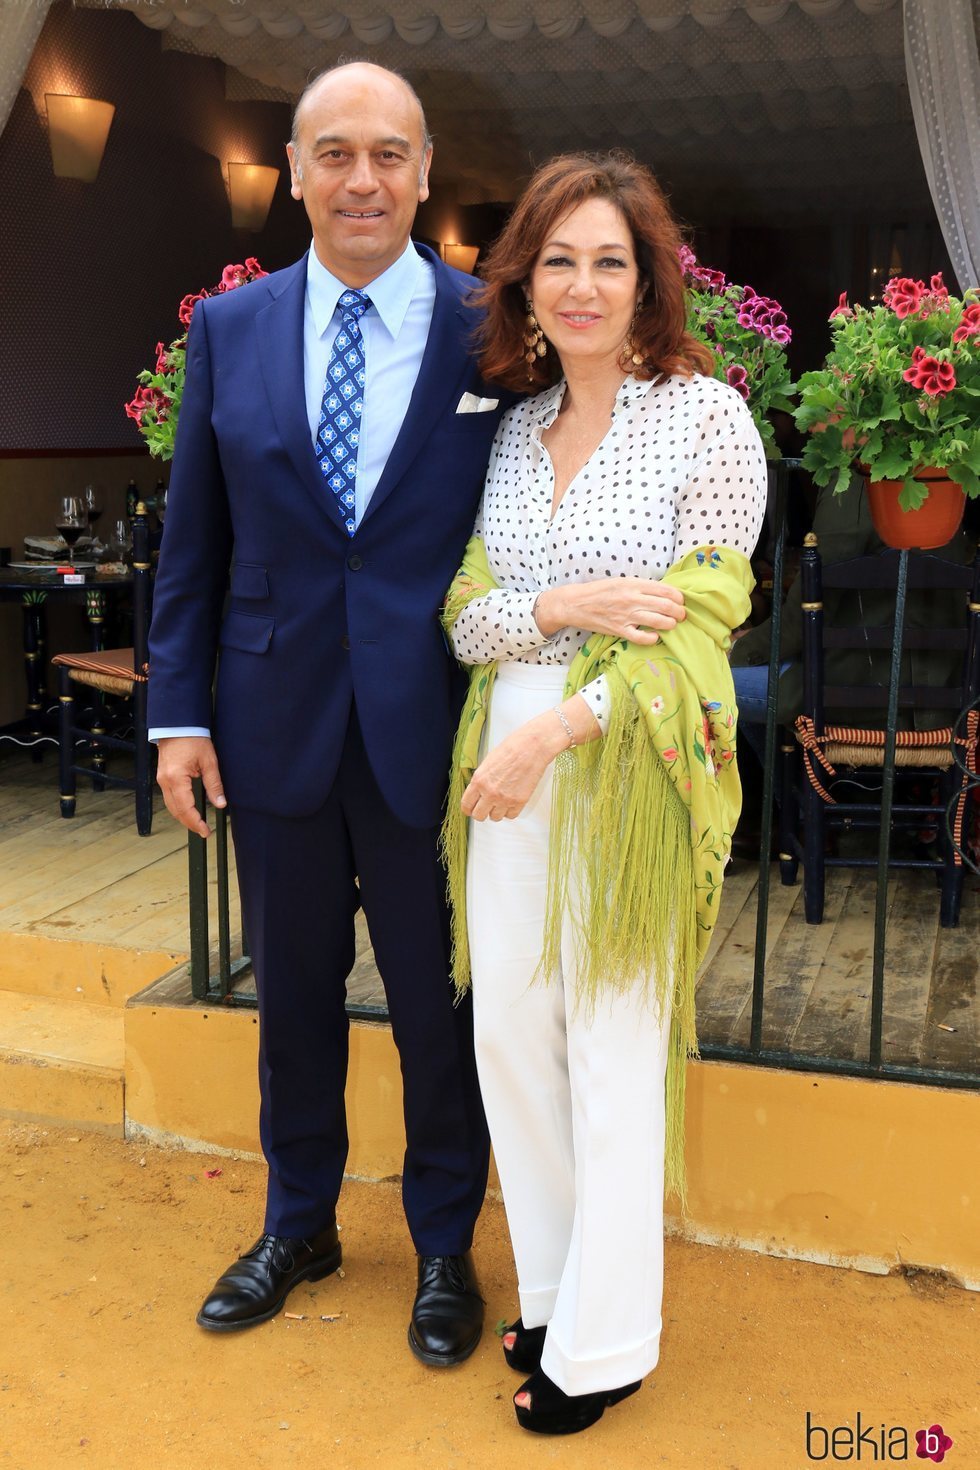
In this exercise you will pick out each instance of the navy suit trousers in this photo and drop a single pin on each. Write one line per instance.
(302, 881)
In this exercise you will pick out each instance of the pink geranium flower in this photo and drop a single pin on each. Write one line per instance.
(842, 308)
(738, 379)
(702, 274)
(763, 315)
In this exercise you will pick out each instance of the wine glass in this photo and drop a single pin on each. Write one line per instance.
(93, 510)
(119, 541)
(72, 521)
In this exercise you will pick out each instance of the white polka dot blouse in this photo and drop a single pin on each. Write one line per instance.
(681, 465)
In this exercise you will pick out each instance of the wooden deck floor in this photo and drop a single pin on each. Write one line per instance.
(94, 878)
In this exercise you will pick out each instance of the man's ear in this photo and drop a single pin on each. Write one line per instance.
(295, 173)
(424, 180)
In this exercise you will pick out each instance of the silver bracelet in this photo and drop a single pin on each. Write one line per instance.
(568, 729)
(534, 609)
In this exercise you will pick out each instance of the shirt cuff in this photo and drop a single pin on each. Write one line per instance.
(596, 696)
(523, 634)
(167, 732)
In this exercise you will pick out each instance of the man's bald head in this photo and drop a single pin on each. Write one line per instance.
(365, 67)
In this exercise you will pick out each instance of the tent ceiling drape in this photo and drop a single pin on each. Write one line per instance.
(748, 107)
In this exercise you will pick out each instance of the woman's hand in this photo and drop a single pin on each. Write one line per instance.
(634, 608)
(505, 780)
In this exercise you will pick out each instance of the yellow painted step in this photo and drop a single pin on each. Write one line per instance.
(61, 1061)
(78, 970)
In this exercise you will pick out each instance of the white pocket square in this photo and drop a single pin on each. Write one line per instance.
(470, 403)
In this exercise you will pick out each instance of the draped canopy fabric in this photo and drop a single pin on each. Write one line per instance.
(20, 26)
(702, 88)
(944, 85)
(751, 108)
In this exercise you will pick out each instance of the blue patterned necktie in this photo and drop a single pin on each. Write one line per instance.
(340, 411)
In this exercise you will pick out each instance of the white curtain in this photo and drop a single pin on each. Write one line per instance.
(20, 26)
(943, 69)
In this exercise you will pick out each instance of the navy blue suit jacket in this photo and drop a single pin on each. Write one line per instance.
(315, 618)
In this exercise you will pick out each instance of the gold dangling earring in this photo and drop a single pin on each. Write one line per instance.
(630, 357)
(534, 341)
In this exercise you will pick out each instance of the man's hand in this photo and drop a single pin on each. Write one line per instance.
(633, 608)
(179, 759)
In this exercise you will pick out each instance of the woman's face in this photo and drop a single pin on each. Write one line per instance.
(585, 284)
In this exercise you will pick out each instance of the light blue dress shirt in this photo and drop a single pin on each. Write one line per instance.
(394, 330)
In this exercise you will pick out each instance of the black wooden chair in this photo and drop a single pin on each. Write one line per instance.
(120, 674)
(823, 753)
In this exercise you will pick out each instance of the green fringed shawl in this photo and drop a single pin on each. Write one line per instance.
(642, 820)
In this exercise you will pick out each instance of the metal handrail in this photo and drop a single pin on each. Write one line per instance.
(217, 982)
(207, 984)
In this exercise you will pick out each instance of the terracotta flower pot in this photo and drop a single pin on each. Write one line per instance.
(934, 523)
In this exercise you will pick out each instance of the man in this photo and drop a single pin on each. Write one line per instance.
(333, 440)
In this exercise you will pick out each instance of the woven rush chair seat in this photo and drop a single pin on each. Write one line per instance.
(113, 671)
(840, 745)
(938, 670)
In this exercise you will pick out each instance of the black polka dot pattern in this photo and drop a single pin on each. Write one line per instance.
(682, 465)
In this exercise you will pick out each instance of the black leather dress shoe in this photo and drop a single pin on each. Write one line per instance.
(257, 1285)
(447, 1318)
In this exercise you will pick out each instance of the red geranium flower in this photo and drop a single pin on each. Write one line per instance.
(146, 398)
(186, 308)
(930, 374)
(969, 323)
(842, 308)
(903, 295)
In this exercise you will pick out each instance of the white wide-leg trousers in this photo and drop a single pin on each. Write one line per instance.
(575, 1101)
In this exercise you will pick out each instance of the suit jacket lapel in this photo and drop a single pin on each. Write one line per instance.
(443, 362)
(280, 332)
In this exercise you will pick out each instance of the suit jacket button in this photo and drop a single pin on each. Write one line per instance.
(355, 563)
(345, 641)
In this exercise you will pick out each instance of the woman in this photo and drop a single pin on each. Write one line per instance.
(587, 898)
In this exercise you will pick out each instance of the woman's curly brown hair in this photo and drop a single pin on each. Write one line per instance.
(659, 332)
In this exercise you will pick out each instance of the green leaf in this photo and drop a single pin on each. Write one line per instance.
(892, 463)
(890, 407)
(699, 750)
(913, 493)
(969, 479)
(968, 455)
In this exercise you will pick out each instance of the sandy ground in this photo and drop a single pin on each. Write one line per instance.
(108, 1247)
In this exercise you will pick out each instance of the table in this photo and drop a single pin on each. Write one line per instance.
(32, 590)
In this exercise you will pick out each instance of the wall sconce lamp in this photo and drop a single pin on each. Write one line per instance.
(461, 257)
(250, 188)
(77, 131)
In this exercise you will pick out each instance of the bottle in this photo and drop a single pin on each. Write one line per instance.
(132, 499)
